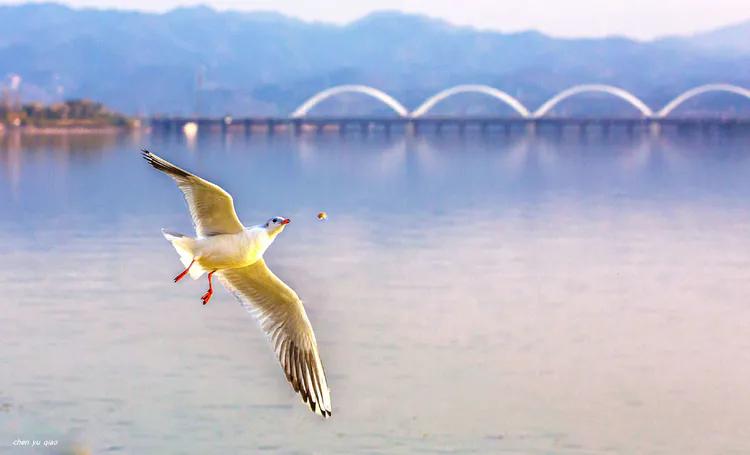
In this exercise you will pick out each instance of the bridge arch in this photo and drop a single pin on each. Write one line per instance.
(379, 95)
(693, 92)
(594, 88)
(430, 102)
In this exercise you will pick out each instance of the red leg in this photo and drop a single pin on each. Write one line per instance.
(184, 272)
(207, 296)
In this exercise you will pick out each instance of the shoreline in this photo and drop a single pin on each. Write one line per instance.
(78, 130)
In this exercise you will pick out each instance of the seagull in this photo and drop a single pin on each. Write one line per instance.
(235, 253)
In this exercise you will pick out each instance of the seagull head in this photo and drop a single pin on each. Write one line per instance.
(275, 225)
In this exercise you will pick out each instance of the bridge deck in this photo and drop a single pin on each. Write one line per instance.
(271, 125)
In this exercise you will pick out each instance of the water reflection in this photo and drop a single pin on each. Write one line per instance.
(497, 294)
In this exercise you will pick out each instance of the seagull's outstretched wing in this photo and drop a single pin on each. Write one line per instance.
(282, 317)
(210, 206)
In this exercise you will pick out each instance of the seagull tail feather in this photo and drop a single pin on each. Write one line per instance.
(184, 246)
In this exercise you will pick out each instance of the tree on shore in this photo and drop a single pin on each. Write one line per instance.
(71, 113)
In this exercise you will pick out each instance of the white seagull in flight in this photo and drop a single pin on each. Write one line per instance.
(226, 247)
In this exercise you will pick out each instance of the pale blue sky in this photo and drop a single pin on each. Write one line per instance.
(635, 18)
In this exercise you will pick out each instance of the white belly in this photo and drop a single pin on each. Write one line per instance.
(229, 251)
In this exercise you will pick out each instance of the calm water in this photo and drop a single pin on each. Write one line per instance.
(480, 295)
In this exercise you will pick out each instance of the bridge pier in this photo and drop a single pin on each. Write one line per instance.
(225, 122)
(582, 128)
(412, 128)
(271, 126)
(166, 125)
(725, 127)
(297, 126)
(654, 127)
(176, 125)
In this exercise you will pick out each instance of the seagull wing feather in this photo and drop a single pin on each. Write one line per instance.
(211, 208)
(284, 321)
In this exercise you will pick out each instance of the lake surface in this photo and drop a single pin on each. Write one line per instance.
(484, 294)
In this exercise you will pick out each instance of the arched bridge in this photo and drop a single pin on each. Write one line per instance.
(430, 102)
(299, 120)
(594, 88)
(693, 92)
(514, 103)
(364, 89)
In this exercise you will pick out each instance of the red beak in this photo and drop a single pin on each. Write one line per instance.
(286, 221)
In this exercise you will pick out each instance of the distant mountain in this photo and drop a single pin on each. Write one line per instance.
(731, 39)
(199, 59)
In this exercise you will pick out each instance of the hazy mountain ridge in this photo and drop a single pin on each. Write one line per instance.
(266, 63)
(731, 39)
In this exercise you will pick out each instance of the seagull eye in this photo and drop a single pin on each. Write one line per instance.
(275, 220)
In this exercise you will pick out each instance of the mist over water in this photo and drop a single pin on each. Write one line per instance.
(484, 294)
